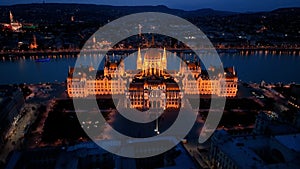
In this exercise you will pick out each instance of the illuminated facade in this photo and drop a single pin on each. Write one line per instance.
(33, 45)
(15, 25)
(151, 85)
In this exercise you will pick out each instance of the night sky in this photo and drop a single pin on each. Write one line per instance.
(228, 5)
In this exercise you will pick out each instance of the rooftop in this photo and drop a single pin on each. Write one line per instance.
(245, 151)
(290, 141)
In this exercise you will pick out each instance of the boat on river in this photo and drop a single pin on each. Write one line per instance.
(43, 60)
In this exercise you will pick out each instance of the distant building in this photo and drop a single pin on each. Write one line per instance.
(89, 155)
(85, 155)
(263, 121)
(270, 123)
(272, 144)
(254, 151)
(15, 25)
(151, 80)
(294, 99)
(33, 44)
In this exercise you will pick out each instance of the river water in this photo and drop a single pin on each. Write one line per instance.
(255, 67)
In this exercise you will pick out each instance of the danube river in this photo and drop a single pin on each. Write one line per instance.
(250, 68)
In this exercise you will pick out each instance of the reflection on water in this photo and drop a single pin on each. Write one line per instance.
(250, 66)
(271, 68)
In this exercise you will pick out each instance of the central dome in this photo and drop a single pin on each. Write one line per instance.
(153, 55)
(155, 62)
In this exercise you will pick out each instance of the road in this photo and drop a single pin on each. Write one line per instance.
(19, 127)
(42, 94)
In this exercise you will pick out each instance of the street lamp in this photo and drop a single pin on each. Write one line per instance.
(156, 128)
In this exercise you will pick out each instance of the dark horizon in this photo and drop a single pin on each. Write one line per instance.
(230, 5)
(187, 10)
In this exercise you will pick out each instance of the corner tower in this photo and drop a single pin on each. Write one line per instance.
(164, 60)
(139, 61)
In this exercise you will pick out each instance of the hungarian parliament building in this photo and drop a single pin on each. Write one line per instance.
(151, 84)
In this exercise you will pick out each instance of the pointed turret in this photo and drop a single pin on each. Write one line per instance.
(94, 40)
(164, 60)
(234, 73)
(139, 61)
(13, 23)
(121, 68)
(33, 45)
(11, 17)
(91, 68)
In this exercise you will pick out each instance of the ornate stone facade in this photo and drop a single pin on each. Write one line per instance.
(151, 85)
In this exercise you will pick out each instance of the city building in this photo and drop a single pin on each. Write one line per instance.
(15, 25)
(90, 155)
(151, 84)
(11, 102)
(254, 151)
(272, 144)
(33, 44)
(294, 98)
(84, 155)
